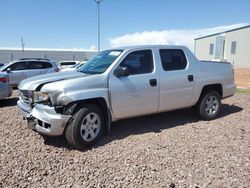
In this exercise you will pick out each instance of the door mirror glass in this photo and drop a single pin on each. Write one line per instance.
(121, 71)
(8, 70)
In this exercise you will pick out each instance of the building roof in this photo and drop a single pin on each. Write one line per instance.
(49, 49)
(222, 32)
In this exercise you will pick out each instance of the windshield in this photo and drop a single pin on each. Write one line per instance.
(100, 63)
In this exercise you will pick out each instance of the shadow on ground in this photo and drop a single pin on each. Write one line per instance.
(151, 123)
(8, 102)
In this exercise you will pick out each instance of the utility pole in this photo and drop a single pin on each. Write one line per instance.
(22, 44)
(98, 23)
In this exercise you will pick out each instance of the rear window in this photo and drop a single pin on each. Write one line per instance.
(173, 59)
(47, 65)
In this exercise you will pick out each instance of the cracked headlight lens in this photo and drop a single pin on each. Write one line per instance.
(40, 97)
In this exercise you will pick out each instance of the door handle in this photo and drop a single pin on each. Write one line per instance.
(153, 82)
(190, 78)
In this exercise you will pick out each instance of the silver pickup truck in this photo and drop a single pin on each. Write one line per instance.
(122, 83)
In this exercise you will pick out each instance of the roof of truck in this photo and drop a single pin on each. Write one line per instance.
(149, 46)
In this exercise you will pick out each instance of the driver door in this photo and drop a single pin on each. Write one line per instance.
(137, 93)
(17, 72)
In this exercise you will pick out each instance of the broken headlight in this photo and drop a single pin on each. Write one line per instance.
(40, 97)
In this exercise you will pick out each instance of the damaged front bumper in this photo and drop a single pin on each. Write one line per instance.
(43, 118)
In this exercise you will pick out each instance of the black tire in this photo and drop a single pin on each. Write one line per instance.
(80, 128)
(208, 106)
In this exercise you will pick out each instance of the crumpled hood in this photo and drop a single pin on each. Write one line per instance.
(33, 82)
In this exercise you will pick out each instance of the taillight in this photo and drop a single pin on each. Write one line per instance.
(4, 79)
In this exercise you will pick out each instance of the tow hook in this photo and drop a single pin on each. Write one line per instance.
(31, 122)
(30, 117)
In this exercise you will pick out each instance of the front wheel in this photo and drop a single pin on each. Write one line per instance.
(208, 107)
(86, 127)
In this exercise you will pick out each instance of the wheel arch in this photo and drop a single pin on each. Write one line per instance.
(200, 106)
(99, 101)
(211, 87)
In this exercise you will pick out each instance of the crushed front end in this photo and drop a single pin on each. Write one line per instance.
(40, 115)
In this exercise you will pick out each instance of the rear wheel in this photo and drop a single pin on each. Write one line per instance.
(86, 127)
(208, 107)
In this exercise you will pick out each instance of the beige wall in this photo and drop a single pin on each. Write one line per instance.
(202, 48)
(241, 59)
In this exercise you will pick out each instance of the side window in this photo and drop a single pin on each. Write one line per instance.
(233, 47)
(46, 65)
(22, 65)
(173, 59)
(211, 49)
(67, 63)
(139, 62)
(35, 65)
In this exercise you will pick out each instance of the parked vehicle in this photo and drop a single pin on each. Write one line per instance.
(67, 64)
(5, 89)
(74, 67)
(28, 67)
(123, 83)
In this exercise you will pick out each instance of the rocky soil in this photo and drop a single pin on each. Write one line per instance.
(172, 149)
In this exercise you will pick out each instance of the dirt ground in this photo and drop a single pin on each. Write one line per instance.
(242, 78)
(174, 149)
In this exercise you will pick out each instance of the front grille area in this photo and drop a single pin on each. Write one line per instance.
(43, 124)
(26, 96)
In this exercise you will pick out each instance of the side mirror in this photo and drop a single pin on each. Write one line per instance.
(8, 70)
(121, 71)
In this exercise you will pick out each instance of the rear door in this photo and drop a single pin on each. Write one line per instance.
(39, 67)
(35, 68)
(138, 93)
(177, 80)
(48, 67)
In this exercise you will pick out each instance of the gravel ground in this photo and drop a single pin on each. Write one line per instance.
(172, 149)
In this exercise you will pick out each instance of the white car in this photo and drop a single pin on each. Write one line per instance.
(28, 67)
(5, 89)
(74, 67)
(67, 64)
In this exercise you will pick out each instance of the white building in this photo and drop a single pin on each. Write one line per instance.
(10, 54)
(232, 46)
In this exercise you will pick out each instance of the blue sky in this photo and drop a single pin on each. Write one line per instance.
(73, 23)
